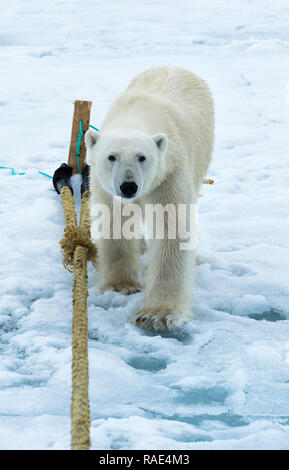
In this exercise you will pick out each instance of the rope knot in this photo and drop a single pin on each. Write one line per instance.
(73, 237)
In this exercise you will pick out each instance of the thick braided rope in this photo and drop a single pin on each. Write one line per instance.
(68, 207)
(80, 415)
(73, 235)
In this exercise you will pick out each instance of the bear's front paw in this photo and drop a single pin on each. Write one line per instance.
(158, 319)
(124, 287)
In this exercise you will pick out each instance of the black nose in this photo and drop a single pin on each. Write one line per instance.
(128, 188)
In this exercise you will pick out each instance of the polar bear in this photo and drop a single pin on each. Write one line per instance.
(154, 147)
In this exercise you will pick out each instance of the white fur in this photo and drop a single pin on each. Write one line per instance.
(167, 115)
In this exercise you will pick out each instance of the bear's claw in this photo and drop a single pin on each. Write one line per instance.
(156, 320)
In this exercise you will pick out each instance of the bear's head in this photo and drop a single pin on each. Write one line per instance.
(126, 164)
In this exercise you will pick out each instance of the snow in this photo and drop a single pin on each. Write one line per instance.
(222, 381)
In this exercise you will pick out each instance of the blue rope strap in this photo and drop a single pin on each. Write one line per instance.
(80, 134)
(13, 172)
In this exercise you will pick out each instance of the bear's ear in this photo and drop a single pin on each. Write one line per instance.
(161, 141)
(91, 137)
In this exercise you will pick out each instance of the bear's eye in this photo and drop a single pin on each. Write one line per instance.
(141, 158)
(111, 158)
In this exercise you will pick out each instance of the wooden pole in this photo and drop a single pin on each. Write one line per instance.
(81, 113)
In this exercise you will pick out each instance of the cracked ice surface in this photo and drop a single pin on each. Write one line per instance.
(221, 382)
